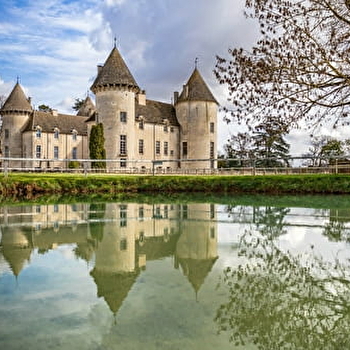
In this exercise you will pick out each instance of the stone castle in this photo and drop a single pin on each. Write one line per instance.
(139, 133)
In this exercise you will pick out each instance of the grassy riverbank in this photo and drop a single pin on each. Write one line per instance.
(35, 184)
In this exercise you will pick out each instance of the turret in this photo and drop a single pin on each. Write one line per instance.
(15, 115)
(115, 89)
(196, 111)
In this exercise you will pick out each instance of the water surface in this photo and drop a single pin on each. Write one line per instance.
(229, 273)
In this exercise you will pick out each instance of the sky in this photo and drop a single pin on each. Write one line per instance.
(54, 46)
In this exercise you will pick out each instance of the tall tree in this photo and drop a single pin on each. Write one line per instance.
(239, 149)
(270, 147)
(300, 65)
(44, 108)
(96, 146)
(78, 104)
(323, 149)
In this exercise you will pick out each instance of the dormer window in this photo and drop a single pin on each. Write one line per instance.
(56, 133)
(74, 135)
(166, 124)
(38, 132)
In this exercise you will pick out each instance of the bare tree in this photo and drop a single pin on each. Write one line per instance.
(298, 69)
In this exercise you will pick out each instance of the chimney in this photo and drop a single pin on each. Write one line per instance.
(99, 68)
(141, 98)
(55, 112)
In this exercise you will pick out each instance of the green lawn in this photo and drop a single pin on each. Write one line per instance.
(23, 184)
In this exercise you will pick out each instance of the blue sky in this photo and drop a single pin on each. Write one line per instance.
(54, 46)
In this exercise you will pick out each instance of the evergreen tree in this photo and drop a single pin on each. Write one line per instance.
(79, 102)
(239, 149)
(96, 146)
(270, 148)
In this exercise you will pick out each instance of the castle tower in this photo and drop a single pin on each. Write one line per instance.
(15, 115)
(196, 111)
(115, 89)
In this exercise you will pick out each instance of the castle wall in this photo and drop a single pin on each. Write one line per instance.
(196, 118)
(110, 104)
(47, 143)
(168, 140)
(12, 126)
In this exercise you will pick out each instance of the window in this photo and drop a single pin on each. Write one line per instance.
(185, 212)
(166, 148)
(212, 155)
(212, 211)
(74, 153)
(171, 129)
(56, 134)
(165, 128)
(38, 151)
(172, 152)
(123, 244)
(212, 232)
(123, 214)
(184, 149)
(157, 147)
(122, 144)
(55, 152)
(7, 133)
(211, 149)
(141, 146)
(38, 133)
(7, 152)
(74, 135)
(212, 127)
(123, 163)
(141, 124)
(123, 117)
(141, 213)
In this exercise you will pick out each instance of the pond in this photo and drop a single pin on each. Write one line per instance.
(227, 273)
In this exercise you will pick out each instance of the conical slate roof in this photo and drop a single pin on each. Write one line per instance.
(17, 101)
(196, 89)
(113, 287)
(87, 108)
(196, 270)
(114, 73)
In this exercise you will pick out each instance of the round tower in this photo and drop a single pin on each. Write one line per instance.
(196, 111)
(15, 115)
(115, 89)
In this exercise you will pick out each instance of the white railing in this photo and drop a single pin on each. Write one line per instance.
(296, 165)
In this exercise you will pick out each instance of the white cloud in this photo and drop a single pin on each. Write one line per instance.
(112, 3)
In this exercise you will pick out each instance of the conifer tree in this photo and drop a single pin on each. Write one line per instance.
(96, 146)
(270, 147)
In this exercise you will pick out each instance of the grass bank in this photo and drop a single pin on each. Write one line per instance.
(25, 185)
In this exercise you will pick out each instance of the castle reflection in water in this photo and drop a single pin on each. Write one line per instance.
(117, 239)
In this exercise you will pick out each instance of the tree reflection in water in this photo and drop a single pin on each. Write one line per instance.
(279, 300)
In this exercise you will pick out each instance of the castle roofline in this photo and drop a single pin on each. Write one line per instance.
(114, 74)
(196, 89)
(48, 121)
(17, 101)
